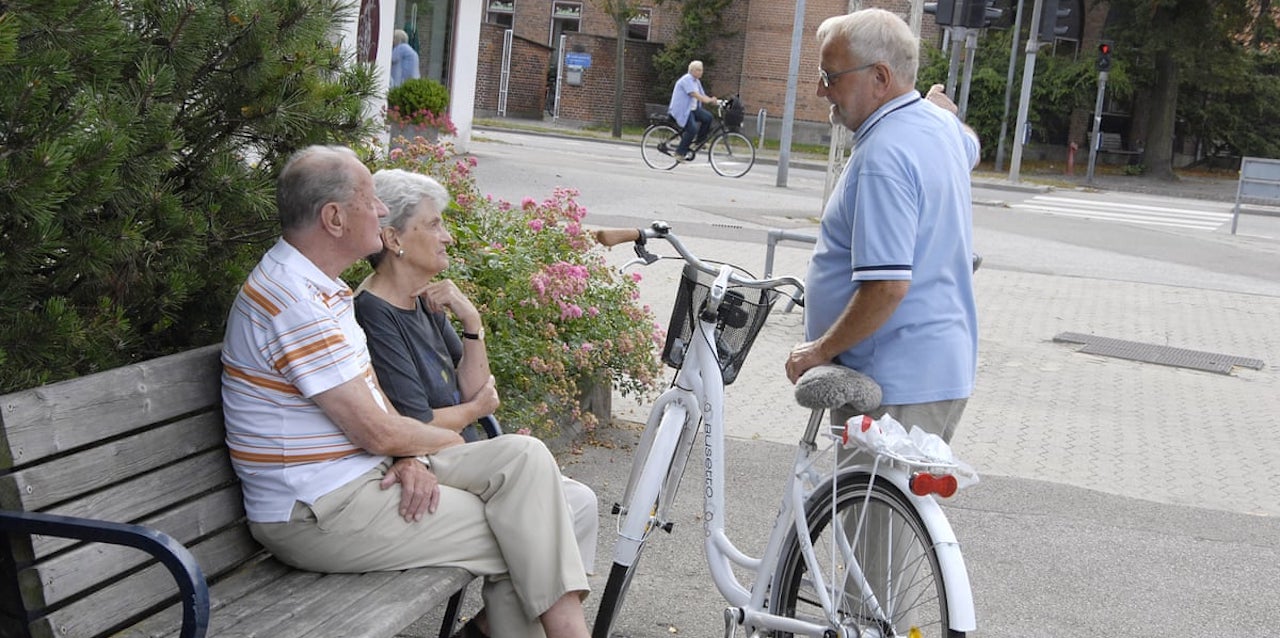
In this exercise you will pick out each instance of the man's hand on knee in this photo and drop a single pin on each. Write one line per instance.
(419, 488)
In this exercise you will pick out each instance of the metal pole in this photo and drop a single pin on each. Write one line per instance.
(916, 16)
(1097, 125)
(555, 116)
(1008, 86)
(953, 67)
(971, 52)
(839, 134)
(1024, 99)
(789, 107)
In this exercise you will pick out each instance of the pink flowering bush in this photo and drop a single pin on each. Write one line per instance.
(424, 118)
(558, 319)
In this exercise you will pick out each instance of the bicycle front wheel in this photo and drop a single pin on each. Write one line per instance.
(901, 586)
(662, 463)
(732, 154)
(658, 148)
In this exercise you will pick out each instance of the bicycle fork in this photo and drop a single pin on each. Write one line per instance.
(664, 456)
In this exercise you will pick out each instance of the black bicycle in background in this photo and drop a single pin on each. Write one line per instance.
(731, 153)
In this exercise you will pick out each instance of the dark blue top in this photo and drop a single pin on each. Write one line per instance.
(415, 354)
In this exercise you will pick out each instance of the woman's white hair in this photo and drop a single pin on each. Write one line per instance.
(402, 191)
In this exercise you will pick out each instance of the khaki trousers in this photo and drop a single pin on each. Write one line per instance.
(502, 515)
(584, 508)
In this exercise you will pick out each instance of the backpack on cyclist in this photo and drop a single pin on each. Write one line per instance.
(734, 113)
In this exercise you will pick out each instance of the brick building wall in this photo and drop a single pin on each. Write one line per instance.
(752, 61)
(593, 101)
(527, 84)
(767, 57)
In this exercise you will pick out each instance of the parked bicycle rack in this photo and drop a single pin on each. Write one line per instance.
(776, 235)
(761, 118)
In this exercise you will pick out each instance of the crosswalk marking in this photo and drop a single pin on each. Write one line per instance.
(1150, 212)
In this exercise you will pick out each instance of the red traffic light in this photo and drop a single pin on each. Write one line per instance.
(1104, 49)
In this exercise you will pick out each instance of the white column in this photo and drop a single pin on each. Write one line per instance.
(376, 107)
(349, 35)
(467, 18)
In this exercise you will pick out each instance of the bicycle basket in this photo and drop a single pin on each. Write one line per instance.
(734, 114)
(743, 313)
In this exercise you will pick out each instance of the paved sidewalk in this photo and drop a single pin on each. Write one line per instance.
(1118, 498)
(1043, 411)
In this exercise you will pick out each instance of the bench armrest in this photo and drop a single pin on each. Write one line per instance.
(490, 424)
(179, 561)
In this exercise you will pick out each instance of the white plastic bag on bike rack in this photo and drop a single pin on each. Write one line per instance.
(886, 437)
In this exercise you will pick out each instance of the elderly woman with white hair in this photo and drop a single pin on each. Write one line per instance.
(428, 370)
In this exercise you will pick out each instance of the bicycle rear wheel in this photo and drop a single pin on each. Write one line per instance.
(658, 148)
(732, 154)
(902, 569)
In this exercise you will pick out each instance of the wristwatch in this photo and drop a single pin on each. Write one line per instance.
(475, 336)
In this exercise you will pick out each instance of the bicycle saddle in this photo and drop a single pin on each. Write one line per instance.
(830, 386)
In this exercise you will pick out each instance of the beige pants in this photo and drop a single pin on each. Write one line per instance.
(502, 515)
(584, 508)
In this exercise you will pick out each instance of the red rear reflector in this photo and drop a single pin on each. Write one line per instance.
(924, 484)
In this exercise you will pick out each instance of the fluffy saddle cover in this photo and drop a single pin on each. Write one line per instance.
(830, 386)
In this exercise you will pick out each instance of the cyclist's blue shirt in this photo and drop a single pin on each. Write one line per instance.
(681, 100)
(902, 210)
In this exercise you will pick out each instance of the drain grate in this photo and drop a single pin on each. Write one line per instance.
(1153, 353)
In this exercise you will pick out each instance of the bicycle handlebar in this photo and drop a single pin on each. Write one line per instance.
(662, 230)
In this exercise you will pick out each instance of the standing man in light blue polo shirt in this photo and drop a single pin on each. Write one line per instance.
(687, 99)
(890, 285)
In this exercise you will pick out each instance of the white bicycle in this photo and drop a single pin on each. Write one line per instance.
(857, 550)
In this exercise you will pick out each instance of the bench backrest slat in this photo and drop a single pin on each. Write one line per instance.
(59, 417)
(82, 568)
(131, 501)
(123, 599)
(39, 486)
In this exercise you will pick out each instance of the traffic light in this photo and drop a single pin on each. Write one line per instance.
(1053, 20)
(1104, 56)
(977, 14)
(943, 10)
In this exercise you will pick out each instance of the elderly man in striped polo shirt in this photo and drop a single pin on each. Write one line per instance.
(334, 479)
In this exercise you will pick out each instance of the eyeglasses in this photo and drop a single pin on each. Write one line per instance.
(827, 78)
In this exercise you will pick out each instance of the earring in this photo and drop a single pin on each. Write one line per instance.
(400, 253)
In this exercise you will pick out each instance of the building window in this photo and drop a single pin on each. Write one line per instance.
(638, 25)
(501, 12)
(565, 18)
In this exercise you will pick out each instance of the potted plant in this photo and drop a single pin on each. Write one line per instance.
(419, 107)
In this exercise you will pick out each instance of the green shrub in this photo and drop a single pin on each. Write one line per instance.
(417, 99)
(141, 141)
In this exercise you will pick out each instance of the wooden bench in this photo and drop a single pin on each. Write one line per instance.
(1113, 143)
(134, 458)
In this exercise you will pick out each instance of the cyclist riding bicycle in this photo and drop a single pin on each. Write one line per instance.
(687, 98)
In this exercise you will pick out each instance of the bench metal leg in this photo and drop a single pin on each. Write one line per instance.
(449, 624)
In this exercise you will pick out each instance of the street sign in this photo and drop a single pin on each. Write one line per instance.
(582, 60)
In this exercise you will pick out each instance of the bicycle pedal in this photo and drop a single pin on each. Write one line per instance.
(617, 509)
(666, 527)
(733, 617)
